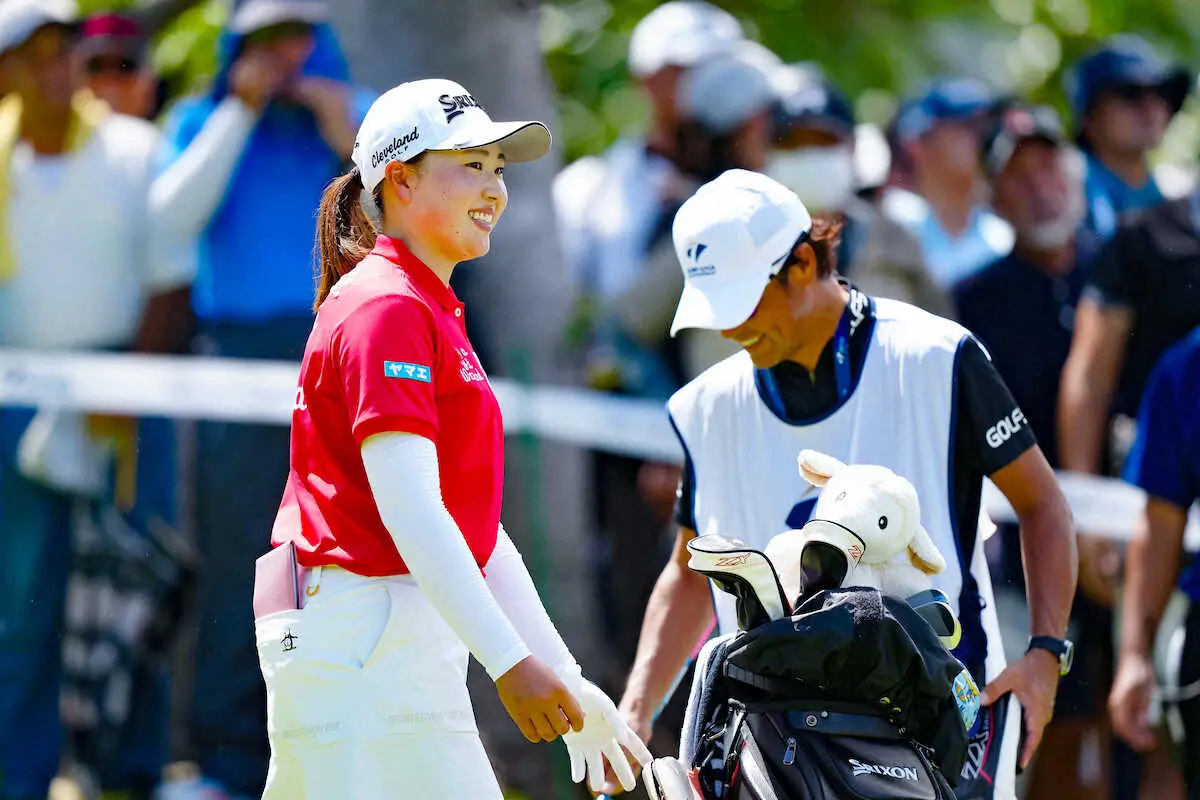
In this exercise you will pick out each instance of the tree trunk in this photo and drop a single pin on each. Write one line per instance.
(518, 302)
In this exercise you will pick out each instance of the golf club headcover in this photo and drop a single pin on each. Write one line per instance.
(934, 607)
(821, 555)
(745, 573)
(882, 509)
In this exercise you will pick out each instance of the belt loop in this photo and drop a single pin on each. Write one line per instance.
(314, 581)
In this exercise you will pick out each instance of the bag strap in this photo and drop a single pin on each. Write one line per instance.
(754, 770)
(763, 682)
(836, 723)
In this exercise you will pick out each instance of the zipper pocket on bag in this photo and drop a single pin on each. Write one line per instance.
(789, 755)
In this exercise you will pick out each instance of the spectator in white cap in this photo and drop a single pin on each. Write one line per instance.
(84, 265)
(393, 497)
(668, 41)
(868, 380)
(612, 210)
(725, 122)
(724, 108)
(636, 175)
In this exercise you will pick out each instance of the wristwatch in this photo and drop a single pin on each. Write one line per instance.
(1062, 649)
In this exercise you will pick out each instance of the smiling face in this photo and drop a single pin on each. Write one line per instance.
(776, 330)
(450, 203)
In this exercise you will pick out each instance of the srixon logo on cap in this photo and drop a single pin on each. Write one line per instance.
(393, 148)
(455, 105)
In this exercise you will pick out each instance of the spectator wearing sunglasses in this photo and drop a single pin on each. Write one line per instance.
(113, 55)
(1122, 95)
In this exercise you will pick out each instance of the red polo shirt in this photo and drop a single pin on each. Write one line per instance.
(388, 352)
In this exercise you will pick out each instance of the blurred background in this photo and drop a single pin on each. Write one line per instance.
(1002, 162)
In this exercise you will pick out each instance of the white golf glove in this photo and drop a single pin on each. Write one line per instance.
(603, 735)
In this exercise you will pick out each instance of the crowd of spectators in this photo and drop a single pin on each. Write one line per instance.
(130, 217)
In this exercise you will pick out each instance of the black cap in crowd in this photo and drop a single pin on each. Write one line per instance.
(1016, 124)
(814, 103)
(1124, 60)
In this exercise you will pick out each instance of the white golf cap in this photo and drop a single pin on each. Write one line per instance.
(680, 33)
(731, 87)
(254, 15)
(19, 19)
(436, 114)
(730, 237)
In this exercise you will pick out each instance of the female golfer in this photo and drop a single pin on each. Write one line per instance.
(393, 501)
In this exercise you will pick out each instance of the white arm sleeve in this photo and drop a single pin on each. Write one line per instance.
(402, 469)
(513, 589)
(186, 195)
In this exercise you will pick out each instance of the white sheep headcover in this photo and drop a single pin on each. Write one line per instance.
(877, 523)
(877, 504)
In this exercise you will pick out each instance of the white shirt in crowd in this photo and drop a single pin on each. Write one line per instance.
(88, 250)
(607, 206)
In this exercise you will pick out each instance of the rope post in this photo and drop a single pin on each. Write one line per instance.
(529, 448)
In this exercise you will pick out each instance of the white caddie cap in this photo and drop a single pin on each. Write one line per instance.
(19, 19)
(680, 33)
(436, 114)
(730, 237)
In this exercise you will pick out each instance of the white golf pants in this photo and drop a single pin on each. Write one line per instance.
(367, 697)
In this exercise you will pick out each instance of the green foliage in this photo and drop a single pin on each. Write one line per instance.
(185, 53)
(874, 49)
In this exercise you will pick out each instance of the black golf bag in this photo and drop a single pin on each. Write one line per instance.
(851, 697)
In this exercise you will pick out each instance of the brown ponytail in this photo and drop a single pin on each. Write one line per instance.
(345, 235)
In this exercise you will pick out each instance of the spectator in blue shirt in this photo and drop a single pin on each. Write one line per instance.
(249, 161)
(1165, 462)
(938, 133)
(1122, 96)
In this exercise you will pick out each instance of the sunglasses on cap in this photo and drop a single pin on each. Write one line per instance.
(1133, 93)
(283, 30)
(791, 259)
(112, 65)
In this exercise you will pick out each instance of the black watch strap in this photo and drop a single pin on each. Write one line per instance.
(1062, 649)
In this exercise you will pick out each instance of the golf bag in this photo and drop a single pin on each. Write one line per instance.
(851, 697)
